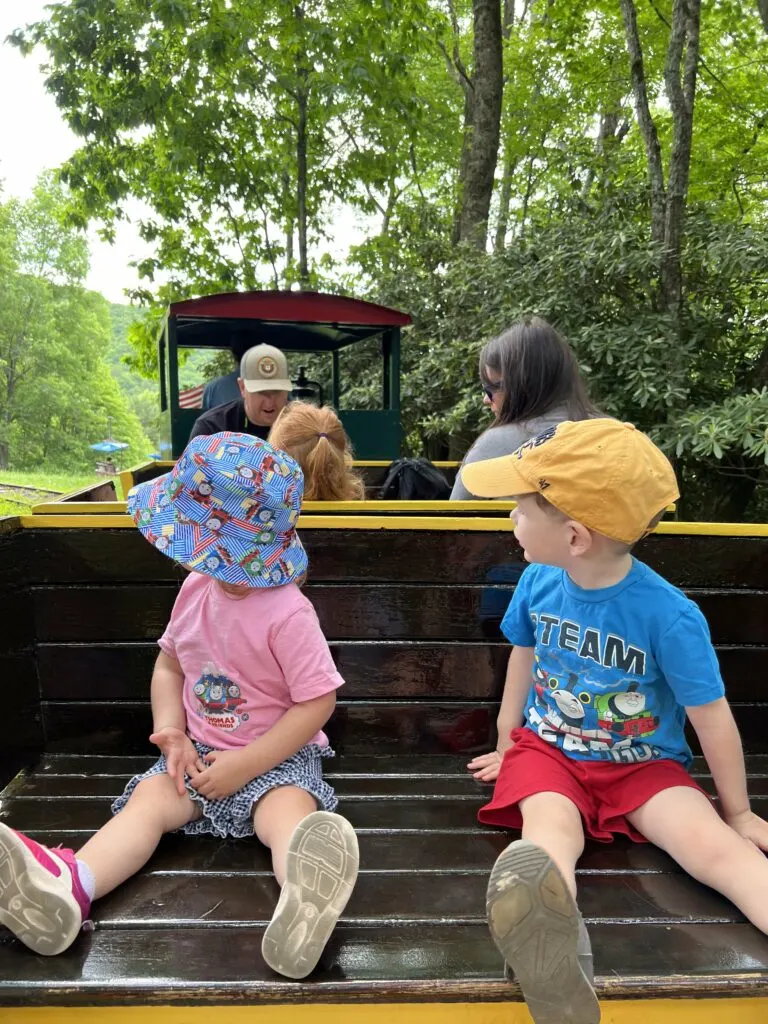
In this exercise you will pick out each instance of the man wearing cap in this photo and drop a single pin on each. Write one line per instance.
(224, 389)
(264, 388)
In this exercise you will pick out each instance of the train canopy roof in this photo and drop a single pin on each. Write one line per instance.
(293, 321)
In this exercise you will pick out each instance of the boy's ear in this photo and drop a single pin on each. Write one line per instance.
(580, 540)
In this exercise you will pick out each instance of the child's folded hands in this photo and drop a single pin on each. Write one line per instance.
(227, 771)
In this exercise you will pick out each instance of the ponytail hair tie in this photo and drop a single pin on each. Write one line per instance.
(322, 435)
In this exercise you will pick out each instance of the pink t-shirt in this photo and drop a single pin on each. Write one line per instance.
(246, 661)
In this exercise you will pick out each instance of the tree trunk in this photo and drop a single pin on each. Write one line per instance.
(476, 182)
(302, 101)
(722, 496)
(10, 394)
(645, 120)
(610, 135)
(466, 148)
(505, 197)
(668, 204)
(762, 6)
(683, 50)
(508, 18)
(301, 189)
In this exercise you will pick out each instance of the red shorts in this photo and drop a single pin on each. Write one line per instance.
(604, 793)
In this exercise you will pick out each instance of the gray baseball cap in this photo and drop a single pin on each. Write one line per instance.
(265, 368)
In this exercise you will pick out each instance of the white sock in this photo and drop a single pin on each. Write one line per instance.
(87, 880)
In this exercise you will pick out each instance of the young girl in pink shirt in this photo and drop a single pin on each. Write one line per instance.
(242, 687)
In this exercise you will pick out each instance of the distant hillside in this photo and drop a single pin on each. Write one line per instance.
(141, 394)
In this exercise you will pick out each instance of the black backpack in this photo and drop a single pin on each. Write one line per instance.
(415, 480)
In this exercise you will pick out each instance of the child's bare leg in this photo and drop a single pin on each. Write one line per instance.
(315, 858)
(45, 894)
(125, 844)
(553, 822)
(683, 822)
(276, 816)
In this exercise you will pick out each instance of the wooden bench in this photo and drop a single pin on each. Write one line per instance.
(411, 610)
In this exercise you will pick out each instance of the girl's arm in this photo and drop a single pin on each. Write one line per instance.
(166, 690)
(289, 734)
(230, 770)
(169, 731)
(517, 685)
(721, 745)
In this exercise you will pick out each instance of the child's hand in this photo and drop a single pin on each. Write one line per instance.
(751, 827)
(227, 772)
(181, 757)
(486, 767)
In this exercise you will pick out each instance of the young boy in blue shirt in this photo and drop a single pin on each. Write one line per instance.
(608, 660)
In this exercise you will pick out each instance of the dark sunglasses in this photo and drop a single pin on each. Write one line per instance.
(489, 389)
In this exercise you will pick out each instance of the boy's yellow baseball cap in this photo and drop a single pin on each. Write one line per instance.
(601, 472)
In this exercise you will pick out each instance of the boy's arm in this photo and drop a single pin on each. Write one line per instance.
(517, 685)
(721, 745)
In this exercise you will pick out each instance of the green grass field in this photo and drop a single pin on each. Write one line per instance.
(19, 503)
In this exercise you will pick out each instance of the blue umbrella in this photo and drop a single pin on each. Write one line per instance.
(109, 446)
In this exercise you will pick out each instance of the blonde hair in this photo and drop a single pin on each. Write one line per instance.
(315, 438)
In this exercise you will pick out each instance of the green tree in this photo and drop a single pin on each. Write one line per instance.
(237, 125)
(56, 392)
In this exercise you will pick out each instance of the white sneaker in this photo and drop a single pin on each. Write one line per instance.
(323, 860)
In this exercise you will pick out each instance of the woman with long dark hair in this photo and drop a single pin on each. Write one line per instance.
(531, 381)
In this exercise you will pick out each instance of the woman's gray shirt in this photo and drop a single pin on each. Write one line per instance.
(504, 440)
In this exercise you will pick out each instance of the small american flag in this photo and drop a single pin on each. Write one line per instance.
(192, 398)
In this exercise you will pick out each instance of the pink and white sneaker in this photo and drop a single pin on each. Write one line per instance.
(41, 898)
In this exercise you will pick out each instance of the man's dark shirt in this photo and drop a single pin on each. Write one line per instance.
(230, 416)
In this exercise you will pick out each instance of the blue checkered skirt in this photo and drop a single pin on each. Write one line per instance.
(233, 816)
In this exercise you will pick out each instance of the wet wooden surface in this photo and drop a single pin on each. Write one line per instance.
(123, 556)
(190, 924)
(388, 727)
(378, 669)
(353, 612)
(21, 696)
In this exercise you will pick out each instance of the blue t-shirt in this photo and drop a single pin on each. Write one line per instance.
(614, 668)
(221, 390)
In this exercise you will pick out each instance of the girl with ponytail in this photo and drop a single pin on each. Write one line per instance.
(315, 438)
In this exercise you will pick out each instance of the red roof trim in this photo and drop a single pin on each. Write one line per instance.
(291, 307)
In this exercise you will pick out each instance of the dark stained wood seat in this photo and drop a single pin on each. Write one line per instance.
(415, 921)
(412, 617)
